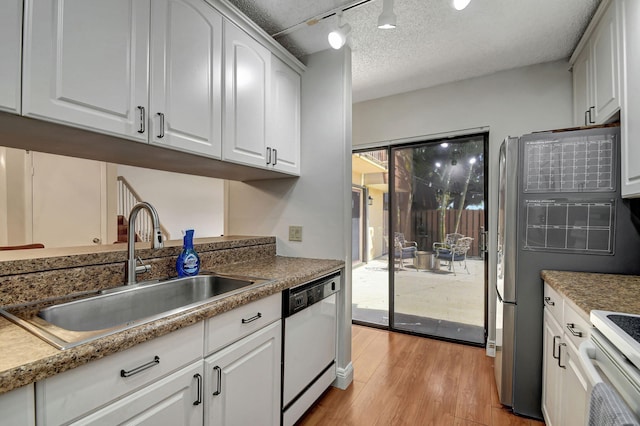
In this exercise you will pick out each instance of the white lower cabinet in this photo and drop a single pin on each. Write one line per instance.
(168, 381)
(564, 386)
(174, 400)
(242, 381)
(552, 382)
(17, 408)
(76, 393)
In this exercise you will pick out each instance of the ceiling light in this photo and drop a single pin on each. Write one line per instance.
(338, 37)
(387, 19)
(460, 4)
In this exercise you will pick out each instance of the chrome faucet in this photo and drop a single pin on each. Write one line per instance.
(132, 268)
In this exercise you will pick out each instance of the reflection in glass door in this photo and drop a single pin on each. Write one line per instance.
(438, 225)
(370, 278)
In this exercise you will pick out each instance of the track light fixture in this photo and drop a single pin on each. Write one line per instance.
(460, 4)
(338, 37)
(387, 19)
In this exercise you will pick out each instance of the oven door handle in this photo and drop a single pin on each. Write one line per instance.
(587, 353)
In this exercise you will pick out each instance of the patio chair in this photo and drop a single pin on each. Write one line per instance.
(403, 249)
(455, 252)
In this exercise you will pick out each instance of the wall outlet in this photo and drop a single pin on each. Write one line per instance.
(295, 233)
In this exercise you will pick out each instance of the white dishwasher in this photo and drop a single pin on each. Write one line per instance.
(309, 347)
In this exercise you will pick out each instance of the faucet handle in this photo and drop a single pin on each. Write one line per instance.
(142, 268)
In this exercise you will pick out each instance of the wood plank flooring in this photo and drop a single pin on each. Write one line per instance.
(407, 380)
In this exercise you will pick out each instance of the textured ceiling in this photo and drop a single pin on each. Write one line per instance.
(433, 43)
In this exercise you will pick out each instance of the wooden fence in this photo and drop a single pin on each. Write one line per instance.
(425, 225)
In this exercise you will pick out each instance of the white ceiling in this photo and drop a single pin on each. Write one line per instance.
(433, 43)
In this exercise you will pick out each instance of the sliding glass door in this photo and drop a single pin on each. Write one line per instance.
(432, 265)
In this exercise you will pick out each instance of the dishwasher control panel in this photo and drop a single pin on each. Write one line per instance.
(297, 298)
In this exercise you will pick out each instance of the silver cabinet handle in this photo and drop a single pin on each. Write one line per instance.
(198, 377)
(142, 119)
(268, 155)
(218, 390)
(161, 135)
(275, 156)
(252, 319)
(548, 301)
(554, 347)
(560, 355)
(156, 361)
(586, 120)
(572, 328)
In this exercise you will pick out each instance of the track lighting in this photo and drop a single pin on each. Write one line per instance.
(387, 19)
(338, 37)
(460, 4)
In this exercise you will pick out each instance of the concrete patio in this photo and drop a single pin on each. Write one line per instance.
(420, 294)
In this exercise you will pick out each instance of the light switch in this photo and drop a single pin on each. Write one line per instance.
(295, 233)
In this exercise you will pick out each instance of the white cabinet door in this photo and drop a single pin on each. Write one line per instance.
(10, 52)
(17, 407)
(174, 400)
(551, 375)
(630, 111)
(605, 95)
(242, 381)
(284, 118)
(247, 91)
(575, 399)
(85, 64)
(581, 90)
(186, 66)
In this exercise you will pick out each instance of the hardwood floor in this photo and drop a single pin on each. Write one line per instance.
(406, 380)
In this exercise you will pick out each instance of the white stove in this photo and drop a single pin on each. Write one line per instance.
(612, 355)
(622, 330)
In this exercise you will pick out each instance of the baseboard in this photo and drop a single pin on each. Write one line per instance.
(344, 377)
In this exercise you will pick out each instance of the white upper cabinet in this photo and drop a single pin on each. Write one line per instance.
(247, 91)
(172, 73)
(630, 111)
(605, 81)
(85, 64)
(596, 78)
(10, 52)
(186, 64)
(284, 120)
(581, 88)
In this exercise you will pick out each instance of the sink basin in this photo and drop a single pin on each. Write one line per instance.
(73, 323)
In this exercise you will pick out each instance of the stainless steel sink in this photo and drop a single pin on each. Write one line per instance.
(80, 321)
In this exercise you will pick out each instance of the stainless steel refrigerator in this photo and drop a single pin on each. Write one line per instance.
(559, 207)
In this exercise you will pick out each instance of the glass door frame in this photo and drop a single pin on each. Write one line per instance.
(391, 226)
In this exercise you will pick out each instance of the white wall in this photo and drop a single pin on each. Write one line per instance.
(509, 103)
(319, 200)
(182, 201)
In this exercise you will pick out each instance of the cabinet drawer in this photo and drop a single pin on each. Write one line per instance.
(76, 392)
(233, 325)
(553, 303)
(576, 328)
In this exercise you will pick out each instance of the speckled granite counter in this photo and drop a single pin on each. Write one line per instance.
(25, 358)
(589, 291)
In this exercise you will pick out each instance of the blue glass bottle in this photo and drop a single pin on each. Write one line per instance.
(188, 263)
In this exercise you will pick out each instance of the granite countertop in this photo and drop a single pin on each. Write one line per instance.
(592, 291)
(25, 359)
